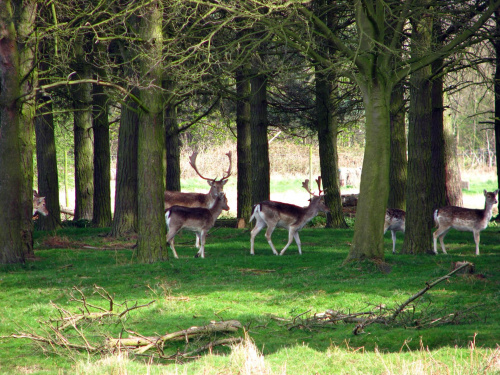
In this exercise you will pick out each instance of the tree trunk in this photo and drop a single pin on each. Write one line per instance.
(454, 196)
(102, 159)
(48, 181)
(173, 177)
(125, 214)
(368, 242)
(25, 17)
(260, 146)
(398, 167)
(82, 120)
(151, 243)
(244, 151)
(327, 137)
(11, 178)
(496, 45)
(419, 202)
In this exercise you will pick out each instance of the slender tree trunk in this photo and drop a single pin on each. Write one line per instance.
(243, 146)
(496, 45)
(48, 182)
(327, 137)
(25, 17)
(398, 165)
(82, 120)
(11, 249)
(454, 196)
(260, 146)
(173, 178)
(125, 214)
(151, 244)
(368, 242)
(102, 159)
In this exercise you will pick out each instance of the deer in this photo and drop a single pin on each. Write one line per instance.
(395, 222)
(285, 215)
(39, 204)
(177, 198)
(197, 219)
(463, 219)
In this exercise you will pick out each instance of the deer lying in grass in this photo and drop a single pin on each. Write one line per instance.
(395, 222)
(39, 204)
(177, 198)
(197, 219)
(288, 216)
(463, 219)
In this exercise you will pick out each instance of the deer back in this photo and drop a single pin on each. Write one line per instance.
(394, 220)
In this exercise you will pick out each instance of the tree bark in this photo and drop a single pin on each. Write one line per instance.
(398, 167)
(82, 120)
(125, 214)
(102, 159)
(327, 138)
(173, 175)
(243, 146)
(496, 45)
(260, 147)
(151, 243)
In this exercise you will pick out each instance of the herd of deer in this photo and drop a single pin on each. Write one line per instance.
(198, 212)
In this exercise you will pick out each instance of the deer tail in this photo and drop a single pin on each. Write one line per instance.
(255, 211)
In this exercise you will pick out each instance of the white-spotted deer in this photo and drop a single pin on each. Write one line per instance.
(177, 198)
(197, 219)
(463, 219)
(39, 204)
(285, 215)
(395, 222)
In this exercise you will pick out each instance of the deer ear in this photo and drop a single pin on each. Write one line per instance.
(223, 182)
(485, 192)
(210, 182)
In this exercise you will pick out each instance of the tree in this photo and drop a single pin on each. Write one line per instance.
(151, 245)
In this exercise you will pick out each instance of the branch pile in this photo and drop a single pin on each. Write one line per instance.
(66, 332)
(405, 315)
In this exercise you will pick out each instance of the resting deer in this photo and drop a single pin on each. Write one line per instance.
(39, 204)
(176, 198)
(197, 219)
(288, 216)
(395, 222)
(463, 219)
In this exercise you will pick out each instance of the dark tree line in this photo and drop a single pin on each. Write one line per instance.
(150, 58)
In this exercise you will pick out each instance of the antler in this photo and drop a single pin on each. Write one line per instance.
(318, 181)
(305, 185)
(192, 162)
(228, 173)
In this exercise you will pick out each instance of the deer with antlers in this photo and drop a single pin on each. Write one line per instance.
(288, 216)
(177, 198)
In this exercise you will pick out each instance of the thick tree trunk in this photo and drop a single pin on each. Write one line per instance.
(398, 165)
(125, 214)
(327, 137)
(11, 250)
(82, 120)
(243, 146)
(102, 158)
(374, 188)
(260, 146)
(151, 243)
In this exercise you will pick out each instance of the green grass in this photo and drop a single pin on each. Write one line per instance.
(231, 284)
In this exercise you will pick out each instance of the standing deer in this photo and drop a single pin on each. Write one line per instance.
(288, 216)
(176, 198)
(463, 219)
(197, 219)
(395, 222)
(39, 204)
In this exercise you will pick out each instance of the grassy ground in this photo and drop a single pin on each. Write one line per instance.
(269, 295)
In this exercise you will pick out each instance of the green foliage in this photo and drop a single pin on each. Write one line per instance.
(231, 284)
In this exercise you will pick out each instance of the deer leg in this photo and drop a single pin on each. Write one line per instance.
(440, 233)
(297, 241)
(258, 227)
(393, 233)
(269, 232)
(197, 241)
(291, 235)
(201, 252)
(170, 239)
(476, 240)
